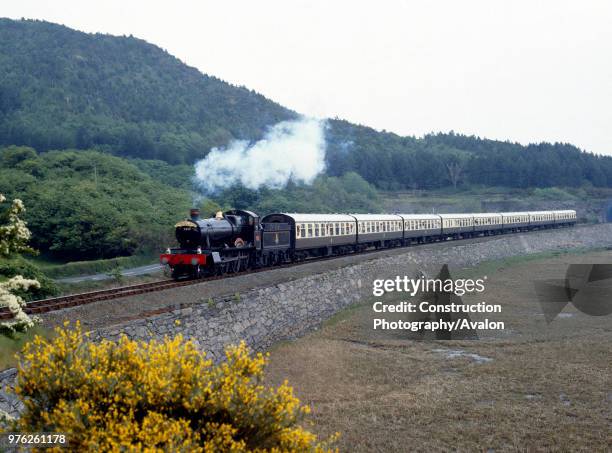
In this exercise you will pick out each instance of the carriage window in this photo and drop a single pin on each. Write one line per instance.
(309, 230)
(316, 230)
(298, 231)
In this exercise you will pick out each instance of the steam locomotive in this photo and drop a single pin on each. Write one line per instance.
(238, 240)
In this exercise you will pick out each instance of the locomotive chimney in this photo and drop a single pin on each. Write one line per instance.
(194, 213)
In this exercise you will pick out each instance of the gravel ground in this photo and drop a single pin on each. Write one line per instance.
(107, 313)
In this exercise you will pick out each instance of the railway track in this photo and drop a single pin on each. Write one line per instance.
(57, 303)
(73, 300)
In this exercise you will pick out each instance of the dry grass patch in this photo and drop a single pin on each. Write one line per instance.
(548, 387)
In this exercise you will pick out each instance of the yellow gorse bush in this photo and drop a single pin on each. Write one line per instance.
(156, 396)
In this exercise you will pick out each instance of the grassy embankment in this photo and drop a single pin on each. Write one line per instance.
(533, 386)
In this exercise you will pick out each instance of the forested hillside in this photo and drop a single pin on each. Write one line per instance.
(60, 88)
(392, 162)
(64, 89)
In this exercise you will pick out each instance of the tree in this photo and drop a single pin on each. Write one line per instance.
(14, 236)
(455, 166)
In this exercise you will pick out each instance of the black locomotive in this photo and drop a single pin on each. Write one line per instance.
(223, 243)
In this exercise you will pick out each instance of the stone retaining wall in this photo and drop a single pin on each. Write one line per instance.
(288, 310)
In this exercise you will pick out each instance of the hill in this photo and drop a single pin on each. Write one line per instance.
(65, 89)
(61, 88)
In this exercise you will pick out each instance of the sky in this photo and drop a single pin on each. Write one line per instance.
(518, 70)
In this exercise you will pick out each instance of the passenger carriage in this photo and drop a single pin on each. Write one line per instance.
(565, 218)
(457, 225)
(515, 221)
(378, 230)
(310, 234)
(421, 227)
(488, 223)
(541, 219)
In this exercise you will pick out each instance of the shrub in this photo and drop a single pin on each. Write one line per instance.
(19, 266)
(158, 396)
(14, 236)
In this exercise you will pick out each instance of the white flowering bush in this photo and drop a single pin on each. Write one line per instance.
(14, 236)
(21, 321)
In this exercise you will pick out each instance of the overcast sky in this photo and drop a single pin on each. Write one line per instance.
(523, 70)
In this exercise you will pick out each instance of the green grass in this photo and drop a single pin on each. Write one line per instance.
(74, 268)
(86, 286)
(491, 266)
(9, 347)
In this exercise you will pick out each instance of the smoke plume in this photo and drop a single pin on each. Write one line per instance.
(289, 150)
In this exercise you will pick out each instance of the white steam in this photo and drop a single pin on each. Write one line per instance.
(289, 150)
